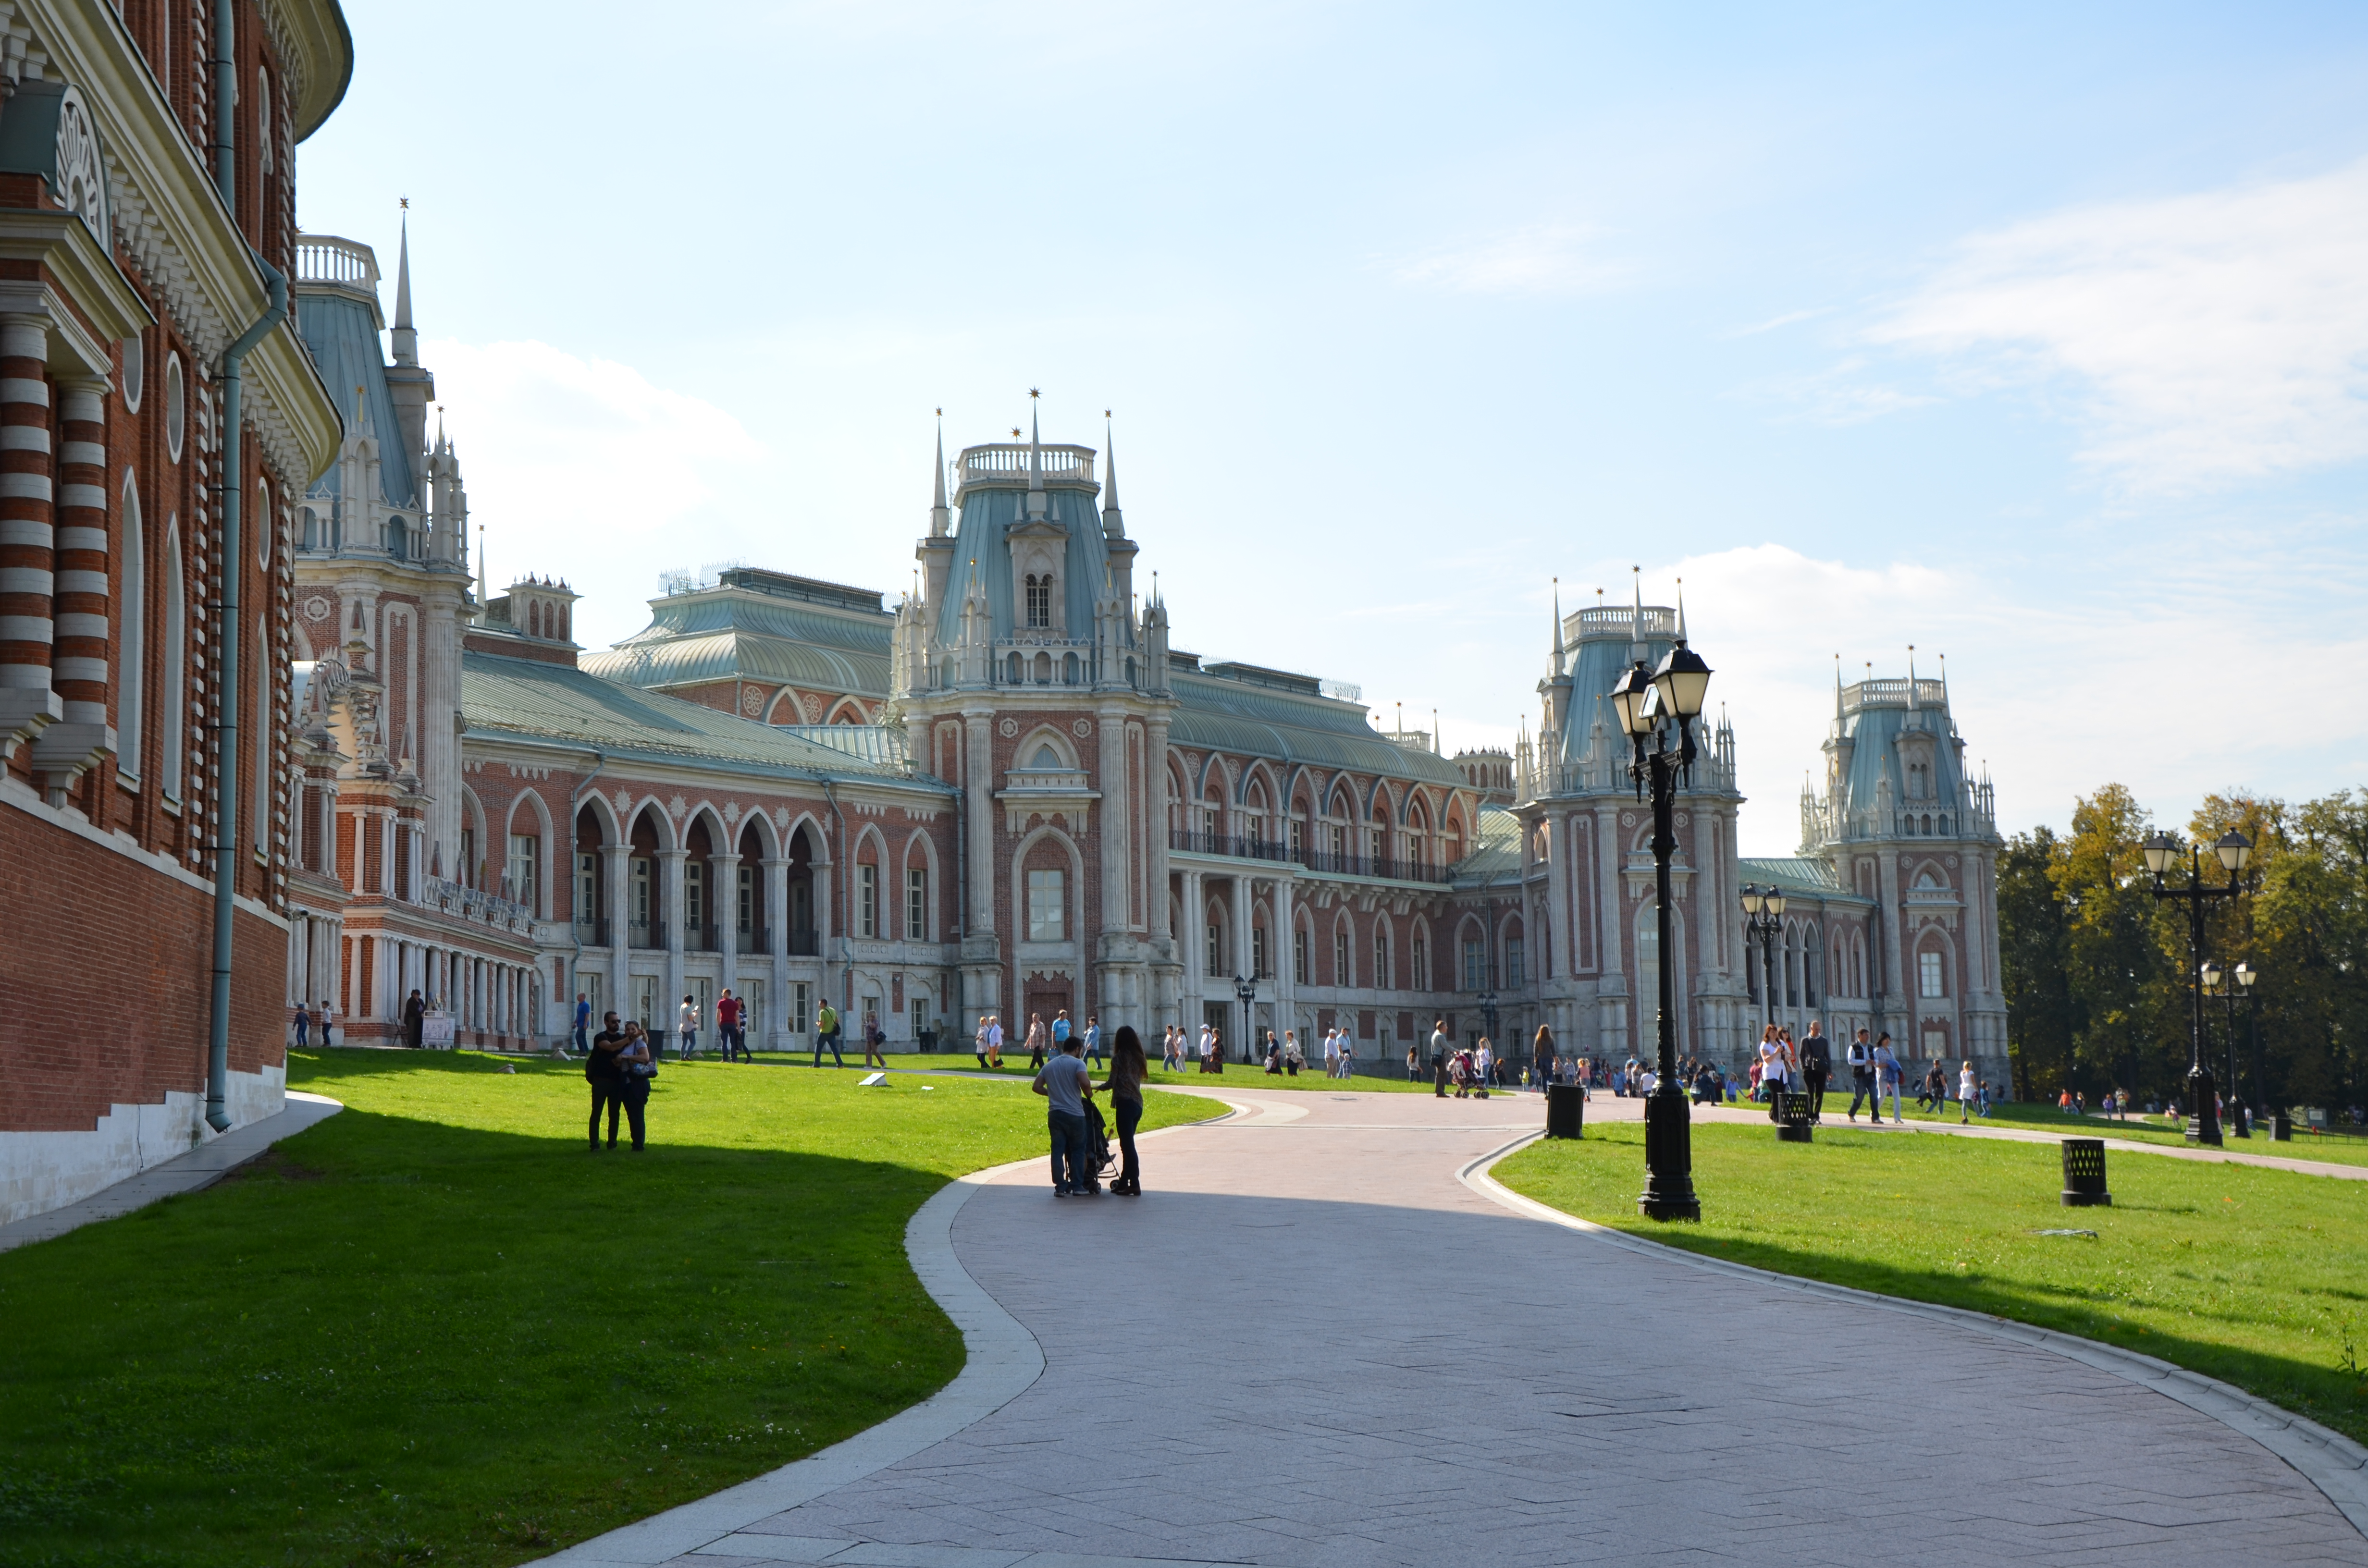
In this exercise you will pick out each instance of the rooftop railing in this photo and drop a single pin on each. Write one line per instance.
(332, 259)
(1002, 460)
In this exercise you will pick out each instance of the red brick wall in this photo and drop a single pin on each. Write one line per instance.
(107, 981)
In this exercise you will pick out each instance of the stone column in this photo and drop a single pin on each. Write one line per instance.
(68, 749)
(1188, 944)
(777, 945)
(1284, 938)
(1243, 963)
(440, 748)
(824, 928)
(978, 805)
(1155, 810)
(615, 873)
(670, 900)
(29, 702)
(1116, 810)
(723, 874)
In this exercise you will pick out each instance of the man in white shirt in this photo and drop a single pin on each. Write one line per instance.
(1331, 1053)
(1860, 1055)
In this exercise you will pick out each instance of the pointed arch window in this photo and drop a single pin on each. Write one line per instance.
(1040, 600)
(132, 641)
(173, 685)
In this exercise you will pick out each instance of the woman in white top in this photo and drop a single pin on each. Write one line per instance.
(1966, 1088)
(687, 1025)
(1771, 1071)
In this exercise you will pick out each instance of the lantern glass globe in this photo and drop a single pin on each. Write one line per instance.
(2160, 850)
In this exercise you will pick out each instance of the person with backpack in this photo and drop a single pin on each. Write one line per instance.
(1816, 1066)
(1065, 1084)
(827, 1034)
(606, 1077)
(875, 1040)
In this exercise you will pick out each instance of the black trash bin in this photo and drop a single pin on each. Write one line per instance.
(1566, 1110)
(2281, 1128)
(2084, 1174)
(1793, 1118)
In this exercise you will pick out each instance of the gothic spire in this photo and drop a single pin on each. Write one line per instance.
(940, 517)
(1113, 520)
(1035, 447)
(1682, 610)
(1912, 677)
(1557, 612)
(406, 340)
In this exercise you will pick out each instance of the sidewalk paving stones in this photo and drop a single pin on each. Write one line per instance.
(1312, 1345)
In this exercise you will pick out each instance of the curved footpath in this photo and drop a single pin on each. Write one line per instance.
(1324, 1339)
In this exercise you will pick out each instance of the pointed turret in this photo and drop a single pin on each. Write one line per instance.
(1912, 706)
(1035, 460)
(410, 387)
(405, 337)
(1113, 520)
(940, 517)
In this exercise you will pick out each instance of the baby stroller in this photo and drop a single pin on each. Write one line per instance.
(1098, 1136)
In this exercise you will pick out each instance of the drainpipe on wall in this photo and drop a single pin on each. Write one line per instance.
(226, 687)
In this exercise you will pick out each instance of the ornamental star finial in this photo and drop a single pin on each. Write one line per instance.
(1032, 392)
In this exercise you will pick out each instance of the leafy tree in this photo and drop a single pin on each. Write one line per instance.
(2042, 1018)
(2113, 959)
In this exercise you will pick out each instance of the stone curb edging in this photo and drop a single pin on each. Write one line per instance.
(1001, 1362)
(195, 1171)
(2328, 1460)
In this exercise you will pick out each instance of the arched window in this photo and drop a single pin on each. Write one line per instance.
(398, 538)
(1068, 669)
(267, 527)
(1927, 829)
(1015, 669)
(131, 640)
(261, 747)
(1382, 975)
(1040, 600)
(176, 408)
(172, 706)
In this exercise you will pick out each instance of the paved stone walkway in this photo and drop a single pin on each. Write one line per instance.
(1313, 1347)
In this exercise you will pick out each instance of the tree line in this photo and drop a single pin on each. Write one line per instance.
(2096, 969)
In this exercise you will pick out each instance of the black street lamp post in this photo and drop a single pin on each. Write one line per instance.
(1247, 990)
(1486, 1002)
(1763, 917)
(2248, 981)
(2161, 852)
(2220, 981)
(1645, 704)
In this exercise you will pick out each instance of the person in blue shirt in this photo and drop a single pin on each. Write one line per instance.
(1061, 1031)
(583, 1023)
(1093, 1039)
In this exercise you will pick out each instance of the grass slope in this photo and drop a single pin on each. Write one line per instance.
(435, 1330)
(2332, 1148)
(2257, 1277)
(1238, 1075)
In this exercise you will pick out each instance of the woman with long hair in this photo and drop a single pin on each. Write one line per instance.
(1124, 1086)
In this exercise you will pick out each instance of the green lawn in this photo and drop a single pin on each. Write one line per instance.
(435, 1330)
(2257, 1276)
(2138, 1128)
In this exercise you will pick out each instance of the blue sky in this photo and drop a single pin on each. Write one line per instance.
(2033, 336)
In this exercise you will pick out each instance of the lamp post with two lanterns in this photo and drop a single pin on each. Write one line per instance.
(1763, 917)
(2161, 851)
(1648, 704)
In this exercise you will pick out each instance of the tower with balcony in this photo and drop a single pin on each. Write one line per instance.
(1586, 851)
(1023, 670)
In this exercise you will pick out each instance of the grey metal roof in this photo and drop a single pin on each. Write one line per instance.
(502, 697)
(342, 332)
(731, 633)
(982, 555)
(1797, 874)
(1495, 850)
(1216, 714)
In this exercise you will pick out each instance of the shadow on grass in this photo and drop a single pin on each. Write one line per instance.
(407, 1342)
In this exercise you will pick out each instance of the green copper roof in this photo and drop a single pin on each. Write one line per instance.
(1496, 852)
(502, 697)
(1261, 721)
(1796, 874)
(735, 632)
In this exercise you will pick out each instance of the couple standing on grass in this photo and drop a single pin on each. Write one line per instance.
(1075, 1125)
(619, 1067)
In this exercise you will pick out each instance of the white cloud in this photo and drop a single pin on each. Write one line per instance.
(2161, 690)
(2216, 336)
(566, 457)
(1546, 258)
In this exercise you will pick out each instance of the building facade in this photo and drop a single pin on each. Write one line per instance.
(147, 210)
